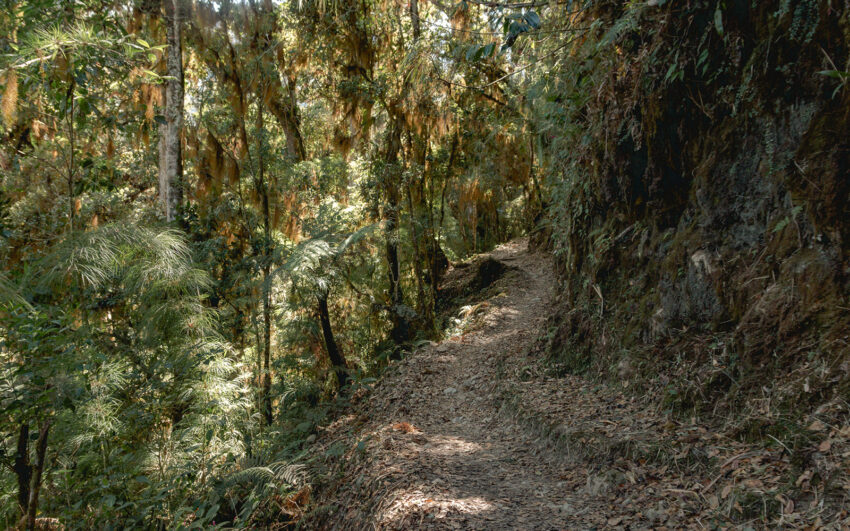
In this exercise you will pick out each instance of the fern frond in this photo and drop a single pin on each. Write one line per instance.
(259, 476)
(10, 294)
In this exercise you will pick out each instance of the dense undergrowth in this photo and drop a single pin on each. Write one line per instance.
(218, 222)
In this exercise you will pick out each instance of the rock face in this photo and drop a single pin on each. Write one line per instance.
(715, 218)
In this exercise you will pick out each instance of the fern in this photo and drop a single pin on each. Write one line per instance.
(10, 294)
(260, 477)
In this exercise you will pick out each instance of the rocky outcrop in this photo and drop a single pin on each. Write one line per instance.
(709, 243)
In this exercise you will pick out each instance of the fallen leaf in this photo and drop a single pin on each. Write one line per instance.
(825, 446)
(789, 507)
(805, 476)
(817, 425)
(294, 503)
(405, 427)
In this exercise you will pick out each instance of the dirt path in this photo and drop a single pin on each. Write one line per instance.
(441, 455)
(470, 468)
(472, 433)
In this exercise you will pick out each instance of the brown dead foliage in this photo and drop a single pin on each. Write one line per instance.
(477, 432)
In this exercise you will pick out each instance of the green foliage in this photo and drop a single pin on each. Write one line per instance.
(319, 141)
(139, 385)
(338, 154)
(516, 24)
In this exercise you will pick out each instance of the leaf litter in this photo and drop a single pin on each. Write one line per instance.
(474, 433)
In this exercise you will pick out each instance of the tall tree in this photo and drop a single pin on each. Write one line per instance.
(263, 191)
(334, 354)
(400, 331)
(171, 150)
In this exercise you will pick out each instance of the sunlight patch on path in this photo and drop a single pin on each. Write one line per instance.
(419, 502)
(446, 445)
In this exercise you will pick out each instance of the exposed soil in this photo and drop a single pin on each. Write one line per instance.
(472, 433)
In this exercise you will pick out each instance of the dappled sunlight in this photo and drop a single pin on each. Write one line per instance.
(413, 506)
(408, 264)
(448, 459)
(447, 445)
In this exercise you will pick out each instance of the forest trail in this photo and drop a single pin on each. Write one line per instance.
(450, 438)
(446, 458)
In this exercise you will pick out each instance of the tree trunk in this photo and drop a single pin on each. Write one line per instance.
(400, 331)
(414, 19)
(23, 469)
(163, 176)
(35, 484)
(413, 207)
(284, 107)
(172, 178)
(72, 146)
(416, 240)
(267, 347)
(447, 177)
(263, 190)
(283, 103)
(336, 357)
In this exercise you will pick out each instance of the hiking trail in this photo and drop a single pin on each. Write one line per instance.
(471, 433)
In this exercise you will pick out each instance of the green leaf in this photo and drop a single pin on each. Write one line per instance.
(474, 53)
(833, 73)
(718, 21)
(337, 449)
(670, 72)
(212, 511)
(781, 225)
(143, 43)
